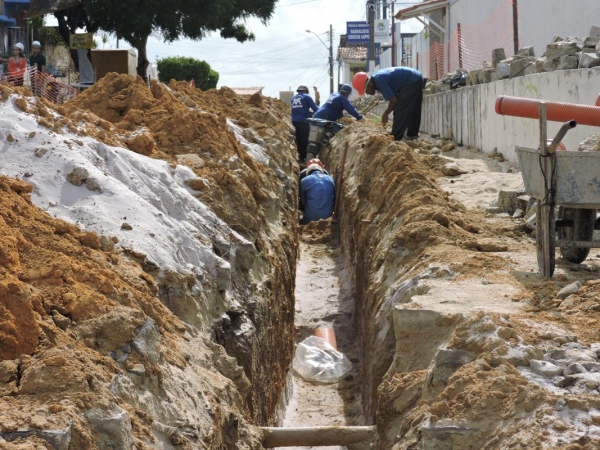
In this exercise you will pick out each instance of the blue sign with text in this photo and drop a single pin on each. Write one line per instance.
(357, 32)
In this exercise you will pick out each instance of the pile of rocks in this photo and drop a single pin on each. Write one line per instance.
(561, 54)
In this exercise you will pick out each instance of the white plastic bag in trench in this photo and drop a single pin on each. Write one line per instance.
(317, 360)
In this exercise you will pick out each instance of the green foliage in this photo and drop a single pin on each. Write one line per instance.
(46, 35)
(184, 69)
(135, 20)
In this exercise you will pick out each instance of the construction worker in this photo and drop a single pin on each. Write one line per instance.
(302, 104)
(333, 108)
(317, 194)
(402, 87)
(36, 59)
(303, 175)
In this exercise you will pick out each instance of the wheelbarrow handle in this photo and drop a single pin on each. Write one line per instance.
(561, 134)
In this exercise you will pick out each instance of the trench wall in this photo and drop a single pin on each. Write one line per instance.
(467, 115)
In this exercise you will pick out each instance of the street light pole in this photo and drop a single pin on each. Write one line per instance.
(330, 49)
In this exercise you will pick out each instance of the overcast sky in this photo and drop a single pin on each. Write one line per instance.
(283, 55)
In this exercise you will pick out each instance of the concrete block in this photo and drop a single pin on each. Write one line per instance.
(595, 31)
(474, 76)
(568, 62)
(510, 201)
(591, 41)
(518, 66)
(503, 69)
(558, 49)
(550, 65)
(526, 51)
(589, 60)
(485, 76)
(497, 56)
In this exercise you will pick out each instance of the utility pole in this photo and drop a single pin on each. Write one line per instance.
(371, 62)
(331, 59)
(393, 19)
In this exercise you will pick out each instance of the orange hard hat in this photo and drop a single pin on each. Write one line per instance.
(315, 161)
(358, 81)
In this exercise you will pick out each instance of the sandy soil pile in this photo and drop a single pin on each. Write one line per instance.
(66, 303)
(90, 357)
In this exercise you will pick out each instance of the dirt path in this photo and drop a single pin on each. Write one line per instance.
(324, 298)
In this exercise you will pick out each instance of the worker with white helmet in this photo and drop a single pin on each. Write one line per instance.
(317, 194)
(16, 65)
(36, 59)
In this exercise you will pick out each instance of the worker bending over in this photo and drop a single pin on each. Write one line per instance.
(317, 194)
(402, 87)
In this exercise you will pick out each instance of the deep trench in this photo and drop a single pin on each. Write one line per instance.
(324, 297)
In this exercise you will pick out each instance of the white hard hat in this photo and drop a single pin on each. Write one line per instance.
(36, 44)
(19, 46)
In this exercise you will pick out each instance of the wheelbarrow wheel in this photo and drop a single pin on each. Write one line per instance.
(582, 230)
(545, 220)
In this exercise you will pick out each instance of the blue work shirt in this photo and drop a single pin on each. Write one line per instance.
(333, 108)
(317, 194)
(389, 81)
(301, 105)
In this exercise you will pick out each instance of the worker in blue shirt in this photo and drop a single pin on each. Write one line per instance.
(402, 87)
(302, 104)
(333, 108)
(317, 194)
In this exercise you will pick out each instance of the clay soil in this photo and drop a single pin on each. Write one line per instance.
(67, 302)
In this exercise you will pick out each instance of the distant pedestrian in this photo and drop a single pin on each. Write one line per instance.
(317, 96)
(333, 109)
(16, 65)
(317, 194)
(302, 104)
(402, 87)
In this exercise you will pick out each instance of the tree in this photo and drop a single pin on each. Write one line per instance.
(181, 68)
(46, 35)
(69, 21)
(135, 20)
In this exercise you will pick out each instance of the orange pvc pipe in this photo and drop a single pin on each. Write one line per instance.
(328, 334)
(555, 111)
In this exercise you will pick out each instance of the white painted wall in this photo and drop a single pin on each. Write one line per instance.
(539, 22)
(468, 115)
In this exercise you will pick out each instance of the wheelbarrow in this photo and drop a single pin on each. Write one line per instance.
(567, 180)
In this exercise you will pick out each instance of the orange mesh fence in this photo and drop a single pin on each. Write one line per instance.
(471, 45)
(433, 62)
(41, 85)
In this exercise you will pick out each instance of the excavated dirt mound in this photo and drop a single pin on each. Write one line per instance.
(73, 306)
(68, 303)
(461, 377)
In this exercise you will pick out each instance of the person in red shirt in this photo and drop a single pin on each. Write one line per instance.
(16, 65)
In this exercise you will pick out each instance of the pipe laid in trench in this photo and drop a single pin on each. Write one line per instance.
(556, 111)
(315, 436)
(328, 334)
